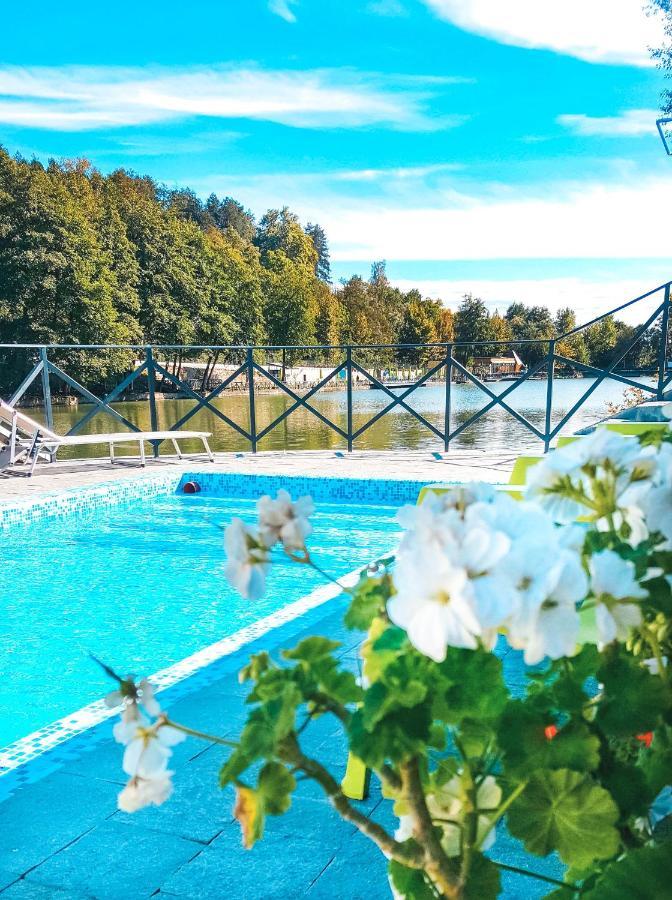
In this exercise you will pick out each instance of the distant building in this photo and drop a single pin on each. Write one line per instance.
(511, 364)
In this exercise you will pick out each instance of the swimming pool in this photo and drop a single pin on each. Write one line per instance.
(140, 583)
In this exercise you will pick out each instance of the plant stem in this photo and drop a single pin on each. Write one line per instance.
(412, 857)
(202, 735)
(515, 793)
(546, 878)
(435, 862)
(658, 654)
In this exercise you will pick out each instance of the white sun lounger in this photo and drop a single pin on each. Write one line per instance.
(22, 439)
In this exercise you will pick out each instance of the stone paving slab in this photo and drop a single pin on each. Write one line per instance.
(456, 465)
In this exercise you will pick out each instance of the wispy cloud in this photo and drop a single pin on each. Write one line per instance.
(74, 98)
(392, 9)
(598, 31)
(283, 8)
(631, 123)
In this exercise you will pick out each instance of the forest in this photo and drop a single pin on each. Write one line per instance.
(88, 258)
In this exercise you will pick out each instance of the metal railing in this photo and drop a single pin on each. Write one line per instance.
(451, 361)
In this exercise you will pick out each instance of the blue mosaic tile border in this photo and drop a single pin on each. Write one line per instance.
(84, 499)
(383, 491)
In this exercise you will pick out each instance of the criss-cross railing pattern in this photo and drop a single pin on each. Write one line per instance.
(451, 362)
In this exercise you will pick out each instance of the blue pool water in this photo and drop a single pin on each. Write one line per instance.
(141, 585)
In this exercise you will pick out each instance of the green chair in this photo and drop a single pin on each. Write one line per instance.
(566, 439)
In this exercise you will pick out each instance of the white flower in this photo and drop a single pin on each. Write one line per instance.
(141, 792)
(595, 477)
(548, 624)
(247, 560)
(615, 588)
(285, 520)
(433, 603)
(451, 801)
(658, 510)
(129, 694)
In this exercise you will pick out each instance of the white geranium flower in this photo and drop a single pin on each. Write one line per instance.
(548, 625)
(141, 792)
(658, 510)
(247, 560)
(451, 801)
(282, 519)
(615, 588)
(148, 749)
(433, 603)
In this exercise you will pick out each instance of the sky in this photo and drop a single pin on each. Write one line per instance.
(507, 149)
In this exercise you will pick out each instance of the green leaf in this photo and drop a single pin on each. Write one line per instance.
(275, 784)
(568, 812)
(474, 687)
(409, 883)
(526, 746)
(633, 699)
(396, 736)
(627, 785)
(369, 599)
(312, 649)
(484, 881)
(644, 874)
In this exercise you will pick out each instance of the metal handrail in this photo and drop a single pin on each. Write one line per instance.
(149, 367)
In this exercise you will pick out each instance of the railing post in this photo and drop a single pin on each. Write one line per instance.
(46, 389)
(250, 389)
(549, 395)
(151, 387)
(662, 349)
(447, 412)
(348, 357)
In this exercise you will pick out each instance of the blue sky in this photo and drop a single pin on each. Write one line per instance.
(506, 148)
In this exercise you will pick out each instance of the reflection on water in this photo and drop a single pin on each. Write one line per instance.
(397, 429)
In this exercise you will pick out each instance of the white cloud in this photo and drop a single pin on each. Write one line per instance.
(450, 216)
(75, 98)
(631, 123)
(598, 31)
(581, 221)
(588, 297)
(283, 8)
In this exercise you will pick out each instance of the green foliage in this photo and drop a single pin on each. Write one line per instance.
(566, 811)
(411, 884)
(644, 874)
(634, 699)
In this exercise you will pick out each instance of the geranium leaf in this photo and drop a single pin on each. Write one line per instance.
(633, 699)
(409, 883)
(370, 596)
(275, 785)
(568, 812)
(484, 881)
(644, 874)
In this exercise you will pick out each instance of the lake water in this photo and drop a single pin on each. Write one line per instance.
(397, 429)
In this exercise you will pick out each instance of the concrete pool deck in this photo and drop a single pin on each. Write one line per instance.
(456, 465)
(62, 837)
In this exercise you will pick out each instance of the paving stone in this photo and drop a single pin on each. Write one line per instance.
(45, 816)
(295, 849)
(115, 861)
(28, 890)
(358, 872)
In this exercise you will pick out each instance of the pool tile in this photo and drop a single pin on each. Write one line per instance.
(115, 861)
(359, 872)
(28, 890)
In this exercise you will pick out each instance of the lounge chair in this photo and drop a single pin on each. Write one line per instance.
(27, 439)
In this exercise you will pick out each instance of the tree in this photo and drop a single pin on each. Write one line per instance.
(573, 347)
(319, 238)
(472, 325)
(229, 214)
(417, 327)
(533, 324)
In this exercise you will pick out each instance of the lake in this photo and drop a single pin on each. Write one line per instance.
(497, 430)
